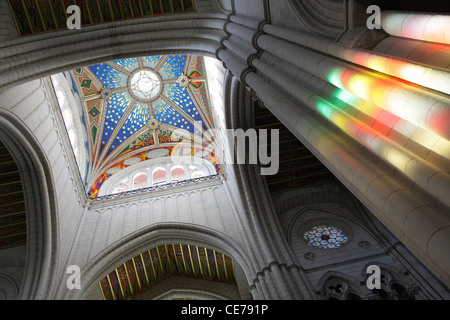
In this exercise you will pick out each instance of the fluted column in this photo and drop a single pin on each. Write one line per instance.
(430, 177)
(272, 281)
(424, 109)
(419, 73)
(424, 230)
(325, 125)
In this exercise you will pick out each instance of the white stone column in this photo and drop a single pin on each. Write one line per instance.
(419, 73)
(422, 108)
(149, 177)
(419, 26)
(418, 222)
(424, 230)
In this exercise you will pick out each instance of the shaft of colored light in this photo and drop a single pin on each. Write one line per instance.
(390, 200)
(397, 129)
(414, 167)
(426, 110)
(422, 75)
(418, 170)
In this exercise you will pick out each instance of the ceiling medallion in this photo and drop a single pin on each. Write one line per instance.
(145, 84)
(152, 124)
(183, 81)
(105, 93)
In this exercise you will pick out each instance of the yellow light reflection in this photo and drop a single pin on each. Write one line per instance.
(370, 97)
(398, 158)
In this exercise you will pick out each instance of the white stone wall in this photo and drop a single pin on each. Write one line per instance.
(204, 5)
(34, 104)
(369, 242)
(252, 9)
(350, 258)
(107, 223)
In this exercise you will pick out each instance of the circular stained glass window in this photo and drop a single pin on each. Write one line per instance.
(145, 85)
(325, 237)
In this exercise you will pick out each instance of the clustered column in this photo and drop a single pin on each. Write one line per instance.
(385, 138)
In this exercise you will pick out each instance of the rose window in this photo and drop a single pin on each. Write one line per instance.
(325, 237)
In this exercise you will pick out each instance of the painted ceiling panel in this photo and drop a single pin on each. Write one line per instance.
(173, 67)
(196, 68)
(151, 62)
(128, 64)
(115, 110)
(145, 139)
(166, 114)
(137, 120)
(109, 76)
(182, 99)
(135, 105)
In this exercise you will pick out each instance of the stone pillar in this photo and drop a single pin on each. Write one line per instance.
(423, 229)
(419, 26)
(416, 215)
(423, 109)
(273, 281)
(419, 73)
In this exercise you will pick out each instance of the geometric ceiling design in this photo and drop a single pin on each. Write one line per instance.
(38, 16)
(143, 108)
(12, 205)
(153, 266)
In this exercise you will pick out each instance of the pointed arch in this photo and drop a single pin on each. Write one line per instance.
(395, 283)
(40, 206)
(339, 286)
(156, 235)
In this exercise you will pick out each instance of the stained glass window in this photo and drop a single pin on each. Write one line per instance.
(325, 237)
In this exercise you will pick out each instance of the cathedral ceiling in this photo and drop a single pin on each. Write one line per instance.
(142, 108)
(38, 16)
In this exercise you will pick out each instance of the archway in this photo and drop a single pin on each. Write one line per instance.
(160, 235)
(193, 33)
(39, 205)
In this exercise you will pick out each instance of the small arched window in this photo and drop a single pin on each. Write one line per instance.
(67, 116)
(140, 180)
(72, 136)
(150, 173)
(197, 174)
(120, 188)
(177, 173)
(159, 176)
(61, 98)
